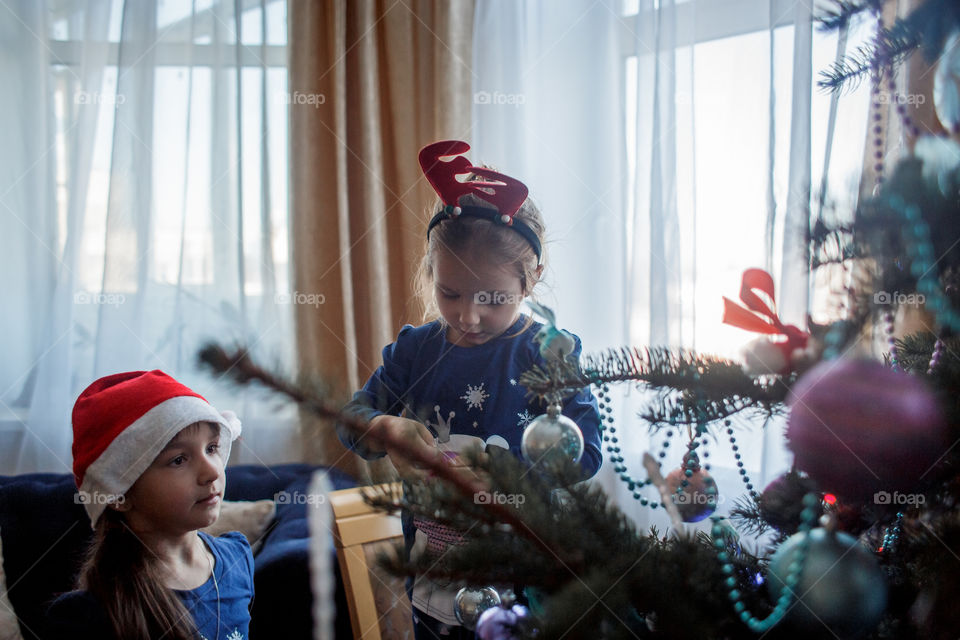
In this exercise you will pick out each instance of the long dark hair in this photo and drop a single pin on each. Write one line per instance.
(127, 580)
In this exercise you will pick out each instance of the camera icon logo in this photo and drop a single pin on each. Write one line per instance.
(482, 497)
(882, 297)
(881, 497)
(482, 297)
(481, 97)
(282, 497)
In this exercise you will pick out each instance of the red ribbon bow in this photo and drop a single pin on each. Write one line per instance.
(760, 317)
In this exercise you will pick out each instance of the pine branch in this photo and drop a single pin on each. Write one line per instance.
(695, 389)
(889, 50)
(842, 13)
(240, 368)
(746, 513)
(926, 27)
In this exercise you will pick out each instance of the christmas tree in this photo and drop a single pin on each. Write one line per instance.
(861, 539)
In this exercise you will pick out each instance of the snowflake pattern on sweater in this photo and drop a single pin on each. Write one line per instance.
(465, 396)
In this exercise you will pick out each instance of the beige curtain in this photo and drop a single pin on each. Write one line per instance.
(371, 82)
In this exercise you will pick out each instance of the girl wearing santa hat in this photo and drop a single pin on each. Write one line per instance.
(148, 460)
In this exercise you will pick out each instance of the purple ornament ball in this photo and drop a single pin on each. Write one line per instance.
(499, 623)
(859, 429)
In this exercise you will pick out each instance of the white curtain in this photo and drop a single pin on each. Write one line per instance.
(144, 207)
(672, 145)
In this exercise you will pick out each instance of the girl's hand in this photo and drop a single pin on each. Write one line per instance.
(477, 478)
(415, 435)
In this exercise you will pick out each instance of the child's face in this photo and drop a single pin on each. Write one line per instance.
(182, 490)
(478, 300)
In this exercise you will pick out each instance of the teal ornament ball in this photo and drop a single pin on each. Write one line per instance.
(841, 591)
(471, 602)
(549, 438)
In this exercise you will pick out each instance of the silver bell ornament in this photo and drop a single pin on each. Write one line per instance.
(470, 602)
(551, 437)
(840, 585)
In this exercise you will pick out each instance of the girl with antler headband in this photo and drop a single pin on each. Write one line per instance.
(455, 377)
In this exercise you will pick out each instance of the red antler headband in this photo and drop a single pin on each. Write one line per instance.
(506, 194)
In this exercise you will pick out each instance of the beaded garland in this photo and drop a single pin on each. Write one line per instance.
(920, 252)
(891, 536)
(919, 245)
(935, 356)
(608, 433)
(888, 329)
(635, 485)
(758, 625)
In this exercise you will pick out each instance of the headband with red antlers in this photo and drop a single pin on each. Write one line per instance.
(506, 194)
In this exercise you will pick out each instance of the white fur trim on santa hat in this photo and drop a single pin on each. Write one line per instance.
(134, 449)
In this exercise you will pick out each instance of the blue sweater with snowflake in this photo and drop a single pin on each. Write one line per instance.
(466, 393)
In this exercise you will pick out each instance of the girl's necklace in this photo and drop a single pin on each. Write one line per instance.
(216, 587)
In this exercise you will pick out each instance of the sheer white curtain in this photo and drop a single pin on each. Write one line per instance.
(546, 108)
(144, 207)
(673, 145)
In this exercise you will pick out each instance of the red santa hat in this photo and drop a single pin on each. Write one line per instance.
(122, 422)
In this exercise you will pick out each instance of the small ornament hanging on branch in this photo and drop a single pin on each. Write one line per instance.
(505, 623)
(840, 585)
(692, 489)
(471, 602)
(556, 345)
(551, 436)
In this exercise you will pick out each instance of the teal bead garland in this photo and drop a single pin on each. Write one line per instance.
(842, 587)
(757, 625)
(891, 536)
(920, 252)
(738, 457)
(634, 485)
(608, 435)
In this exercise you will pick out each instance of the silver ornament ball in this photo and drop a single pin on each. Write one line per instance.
(470, 602)
(841, 586)
(549, 438)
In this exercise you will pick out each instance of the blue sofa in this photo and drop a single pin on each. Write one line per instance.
(44, 533)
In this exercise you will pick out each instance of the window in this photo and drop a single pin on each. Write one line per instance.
(730, 124)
